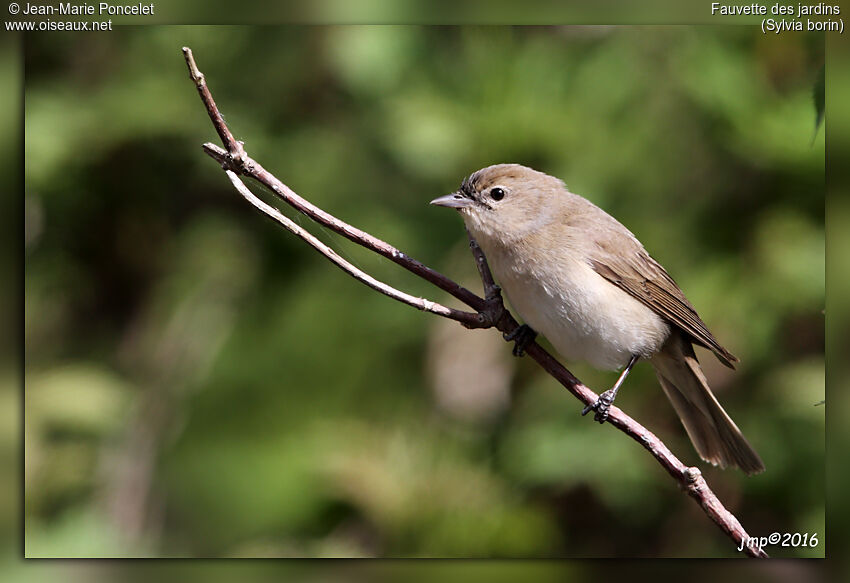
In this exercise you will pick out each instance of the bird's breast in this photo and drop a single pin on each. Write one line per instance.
(582, 314)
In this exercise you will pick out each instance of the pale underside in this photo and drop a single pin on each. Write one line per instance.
(584, 316)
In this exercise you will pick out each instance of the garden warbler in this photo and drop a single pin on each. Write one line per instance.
(579, 277)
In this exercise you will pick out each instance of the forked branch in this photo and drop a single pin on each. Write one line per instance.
(489, 310)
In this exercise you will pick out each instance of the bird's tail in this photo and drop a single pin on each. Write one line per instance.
(715, 436)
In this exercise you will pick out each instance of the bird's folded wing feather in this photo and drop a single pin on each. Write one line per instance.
(634, 271)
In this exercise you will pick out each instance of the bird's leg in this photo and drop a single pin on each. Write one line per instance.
(523, 336)
(606, 399)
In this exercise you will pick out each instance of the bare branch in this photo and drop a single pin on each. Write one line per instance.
(468, 319)
(491, 311)
(200, 82)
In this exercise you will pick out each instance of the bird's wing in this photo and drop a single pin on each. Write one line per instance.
(634, 271)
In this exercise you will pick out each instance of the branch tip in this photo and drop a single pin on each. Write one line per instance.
(194, 73)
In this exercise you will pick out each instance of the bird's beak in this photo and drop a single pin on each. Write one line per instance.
(454, 200)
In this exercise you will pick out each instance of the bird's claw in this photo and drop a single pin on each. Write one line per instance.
(601, 406)
(523, 336)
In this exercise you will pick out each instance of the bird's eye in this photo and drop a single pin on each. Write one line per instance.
(497, 194)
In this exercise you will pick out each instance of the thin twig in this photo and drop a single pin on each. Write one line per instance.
(468, 319)
(491, 311)
(241, 163)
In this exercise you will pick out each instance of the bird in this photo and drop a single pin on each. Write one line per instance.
(579, 277)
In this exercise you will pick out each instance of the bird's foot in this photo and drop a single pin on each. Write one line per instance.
(492, 312)
(523, 336)
(601, 406)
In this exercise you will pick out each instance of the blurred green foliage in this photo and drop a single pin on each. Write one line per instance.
(200, 383)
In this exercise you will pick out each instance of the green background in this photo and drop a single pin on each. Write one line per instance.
(200, 383)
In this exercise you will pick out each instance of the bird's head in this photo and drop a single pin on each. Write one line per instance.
(505, 201)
